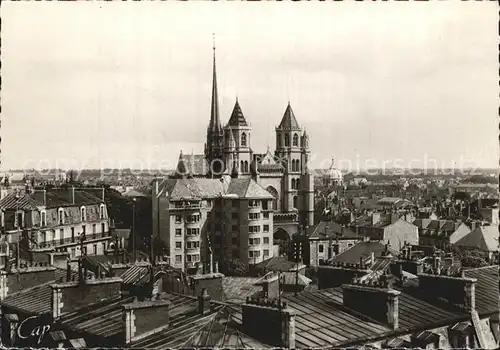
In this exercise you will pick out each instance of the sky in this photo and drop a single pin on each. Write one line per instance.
(128, 85)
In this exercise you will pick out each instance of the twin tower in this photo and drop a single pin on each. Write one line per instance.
(228, 151)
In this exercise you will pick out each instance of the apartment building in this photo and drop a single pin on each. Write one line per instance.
(55, 220)
(205, 221)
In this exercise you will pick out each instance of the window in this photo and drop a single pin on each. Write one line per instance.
(94, 229)
(293, 181)
(287, 140)
(43, 219)
(178, 245)
(234, 215)
(95, 249)
(193, 218)
(53, 235)
(253, 229)
(266, 240)
(295, 140)
(178, 259)
(178, 218)
(72, 234)
(234, 228)
(266, 253)
(192, 231)
(84, 250)
(103, 228)
(209, 203)
(178, 232)
(320, 248)
(83, 229)
(254, 216)
(103, 247)
(61, 236)
(253, 253)
(246, 167)
(19, 220)
(44, 237)
(236, 241)
(254, 203)
(266, 228)
(243, 139)
(295, 201)
(253, 241)
(61, 216)
(83, 214)
(73, 252)
(266, 215)
(193, 245)
(235, 204)
(297, 184)
(101, 211)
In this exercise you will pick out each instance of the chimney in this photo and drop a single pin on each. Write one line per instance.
(204, 302)
(83, 293)
(212, 282)
(376, 300)
(20, 278)
(459, 291)
(270, 286)
(269, 321)
(10, 329)
(145, 318)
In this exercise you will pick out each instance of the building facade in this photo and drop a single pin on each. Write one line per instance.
(283, 173)
(208, 221)
(56, 220)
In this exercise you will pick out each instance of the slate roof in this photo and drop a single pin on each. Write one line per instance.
(237, 118)
(276, 263)
(247, 188)
(289, 121)
(363, 250)
(32, 301)
(484, 238)
(237, 289)
(330, 229)
(54, 198)
(487, 290)
(195, 188)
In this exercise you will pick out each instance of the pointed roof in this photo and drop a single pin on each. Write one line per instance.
(214, 107)
(289, 121)
(237, 118)
(484, 238)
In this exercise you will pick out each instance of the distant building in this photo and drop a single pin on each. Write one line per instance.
(483, 238)
(440, 233)
(231, 218)
(386, 228)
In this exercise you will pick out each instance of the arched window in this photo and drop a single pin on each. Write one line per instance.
(298, 184)
(246, 166)
(298, 165)
(83, 213)
(235, 165)
(242, 166)
(275, 194)
(287, 140)
(295, 139)
(293, 183)
(244, 139)
(295, 202)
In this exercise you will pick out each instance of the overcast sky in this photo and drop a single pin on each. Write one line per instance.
(107, 83)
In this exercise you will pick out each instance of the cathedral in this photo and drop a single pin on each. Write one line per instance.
(283, 173)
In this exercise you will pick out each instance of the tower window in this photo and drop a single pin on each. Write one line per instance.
(293, 183)
(297, 184)
(246, 166)
(244, 139)
(287, 140)
(295, 140)
(295, 202)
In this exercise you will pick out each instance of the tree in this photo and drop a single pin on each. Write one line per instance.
(473, 261)
(234, 268)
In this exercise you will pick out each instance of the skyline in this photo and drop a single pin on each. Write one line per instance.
(127, 70)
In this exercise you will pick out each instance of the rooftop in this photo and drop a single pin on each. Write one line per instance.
(363, 250)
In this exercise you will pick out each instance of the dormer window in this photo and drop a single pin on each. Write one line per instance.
(295, 140)
(60, 216)
(244, 139)
(43, 218)
(101, 212)
(83, 214)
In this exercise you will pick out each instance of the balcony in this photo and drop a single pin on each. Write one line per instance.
(67, 241)
(186, 207)
(285, 217)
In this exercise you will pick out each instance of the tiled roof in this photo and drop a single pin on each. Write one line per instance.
(24, 202)
(327, 229)
(237, 118)
(236, 289)
(363, 250)
(484, 238)
(53, 198)
(247, 188)
(36, 300)
(289, 121)
(486, 288)
(196, 188)
(276, 263)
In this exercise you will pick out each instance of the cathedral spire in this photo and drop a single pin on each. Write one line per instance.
(214, 110)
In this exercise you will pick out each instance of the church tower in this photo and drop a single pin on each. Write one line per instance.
(238, 152)
(306, 189)
(214, 147)
(289, 153)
